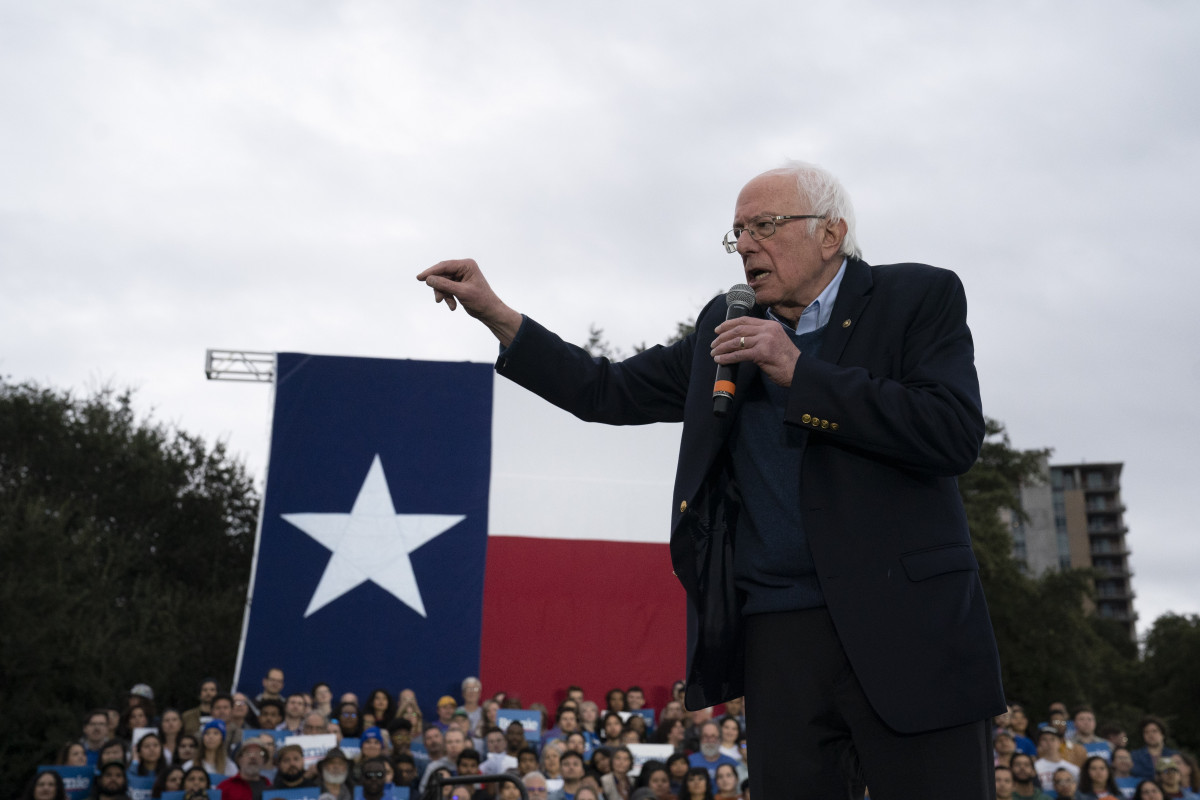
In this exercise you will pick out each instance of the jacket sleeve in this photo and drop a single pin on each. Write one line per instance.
(648, 387)
(918, 405)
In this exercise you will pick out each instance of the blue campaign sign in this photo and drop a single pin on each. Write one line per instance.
(254, 733)
(77, 780)
(373, 530)
(390, 792)
(530, 720)
(646, 714)
(140, 786)
(308, 793)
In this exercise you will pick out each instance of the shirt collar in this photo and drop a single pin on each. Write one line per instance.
(817, 313)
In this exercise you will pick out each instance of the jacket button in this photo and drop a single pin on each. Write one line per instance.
(833, 426)
(806, 418)
(824, 423)
(816, 422)
(846, 324)
(683, 506)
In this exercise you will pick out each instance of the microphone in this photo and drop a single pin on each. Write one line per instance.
(738, 301)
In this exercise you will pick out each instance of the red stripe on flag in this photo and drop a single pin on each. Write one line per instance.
(595, 614)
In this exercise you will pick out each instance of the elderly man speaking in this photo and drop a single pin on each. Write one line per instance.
(816, 523)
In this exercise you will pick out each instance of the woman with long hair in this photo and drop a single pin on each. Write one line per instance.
(211, 754)
(1096, 781)
(670, 732)
(348, 720)
(135, 716)
(731, 736)
(727, 782)
(381, 706)
(72, 754)
(696, 785)
(589, 718)
(150, 758)
(614, 726)
(1148, 790)
(46, 785)
(614, 701)
(170, 727)
(186, 747)
(170, 780)
(322, 697)
(654, 776)
(616, 784)
(677, 767)
(196, 783)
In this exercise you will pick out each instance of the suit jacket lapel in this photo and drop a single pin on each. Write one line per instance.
(852, 298)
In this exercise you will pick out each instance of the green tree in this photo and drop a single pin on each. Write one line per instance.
(124, 557)
(1172, 656)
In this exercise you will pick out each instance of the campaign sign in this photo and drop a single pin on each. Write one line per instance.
(315, 746)
(307, 793)
(352, 748)
(140, 786)
(530, 720)
(646, 714)
(78, 780)
(648, 752)
(390, 792)
(213, 794)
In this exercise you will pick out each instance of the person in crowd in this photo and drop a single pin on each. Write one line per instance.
(73, 754)
(472, 690)
(381, 707)
(535, 785)
(1170, 779)
(114, 750)
(614, 726)
(149, 756)
(1154, 737)
(695, 721)
(508, 791)
(322, 697)
(443, 751)
(1096, 779)
(1085, 734)
(467, 763)
(616, 784)
(374, 778)
(1004, 783)
(272, 684)
(133, 717)
(496, 759)
(1003, 746)
(726, 783)
(212, 754)
(185, 749)
(407, 772)
(571, 766)
(654, 776)
(316, 724)
(289, 769)
(731, 736)
(333, 775)
(249, 782)
(1018, 723)
(697, 785)
(677, 767)
(1115, 735)
(293, 713)
(1188, 769)
(736, 708)
(348, 721)
(635, 698)
(1026, 785)
(1066, 787)
(191, 717)
(271, 716)
(1148, 790)
(567, 721)
(576, 742)
(1050, 757)
(110, 782)
(46, 785)
(1122, 771)
(709, 756)
(170, 780)
(487, 717)
(241, 717)
(614, 700)
(551, 764)
(669, 732)
(371, 745)
(589, 718)
(600, 764)
(170, 728)
(446, 706)
(196, 783)
(222, 707)
(588, 793)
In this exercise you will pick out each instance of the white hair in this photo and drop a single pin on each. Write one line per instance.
(826, 196)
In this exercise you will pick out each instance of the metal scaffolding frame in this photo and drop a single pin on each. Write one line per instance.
(246, 366)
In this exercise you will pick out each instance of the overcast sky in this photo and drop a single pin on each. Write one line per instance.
(270, 175)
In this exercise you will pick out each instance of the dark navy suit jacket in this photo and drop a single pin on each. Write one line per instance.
(892, 414)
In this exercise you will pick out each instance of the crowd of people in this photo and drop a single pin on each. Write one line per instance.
(582, 750)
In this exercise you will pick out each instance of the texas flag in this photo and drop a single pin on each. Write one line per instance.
(426, 521)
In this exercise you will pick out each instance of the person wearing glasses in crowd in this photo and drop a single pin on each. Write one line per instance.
(817, 527)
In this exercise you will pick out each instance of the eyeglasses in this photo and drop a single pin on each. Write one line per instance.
(760, 229)
(374, 775)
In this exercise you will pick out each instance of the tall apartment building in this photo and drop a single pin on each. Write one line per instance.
(1076, 520)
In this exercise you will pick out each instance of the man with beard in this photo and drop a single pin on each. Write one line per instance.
(710, 756)
(1025, 781)
(334, 771)
(290, 773)
(192, 717)
(111, 783)
(249, 782)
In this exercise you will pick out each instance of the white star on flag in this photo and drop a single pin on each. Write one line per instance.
(371, 543)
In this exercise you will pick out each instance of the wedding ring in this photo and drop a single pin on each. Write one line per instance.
(743, 344)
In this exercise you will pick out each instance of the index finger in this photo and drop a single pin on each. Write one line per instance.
(453, 267)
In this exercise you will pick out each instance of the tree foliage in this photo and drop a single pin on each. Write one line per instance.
(124, 557)
(1172, 677)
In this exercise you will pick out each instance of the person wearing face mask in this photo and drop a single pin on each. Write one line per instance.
(249, 782)
(333, 774)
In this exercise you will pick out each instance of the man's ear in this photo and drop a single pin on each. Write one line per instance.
(832, 235)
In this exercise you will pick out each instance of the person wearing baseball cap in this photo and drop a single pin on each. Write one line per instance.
(249, 782)
(334, 774)
(446, 706)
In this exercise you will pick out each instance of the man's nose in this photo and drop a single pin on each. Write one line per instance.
(747, 244)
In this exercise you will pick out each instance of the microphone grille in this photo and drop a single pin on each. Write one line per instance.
(739, 295)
